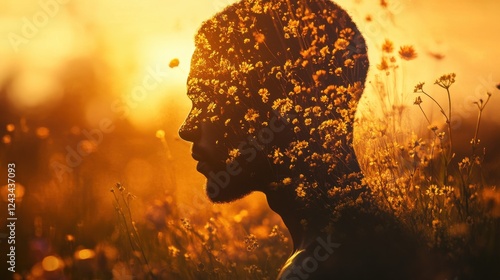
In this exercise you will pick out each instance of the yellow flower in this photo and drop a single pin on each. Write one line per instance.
(232, 90)
(388, 46)
(195, 112)
(277, 156)
(251, 115)
(383, 65)
(300, 191)
(446, 81)
(317, 111)
(287, 181)
(211, 107)
(284, 105)
(264, 93)
(349, 63)
(346, 33)
(234, 153)
(246, 67)
(341, 44)
(419, 87)
(407, 52)
(418, 100)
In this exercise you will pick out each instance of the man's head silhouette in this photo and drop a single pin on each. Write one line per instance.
(274, 87)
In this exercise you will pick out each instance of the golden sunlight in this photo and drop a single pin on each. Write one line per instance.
(98, 181)
(158, 82)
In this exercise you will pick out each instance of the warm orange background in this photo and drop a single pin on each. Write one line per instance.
(84, 58)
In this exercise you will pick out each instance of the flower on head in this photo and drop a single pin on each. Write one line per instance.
(349, 63)
(300, 191)
(252, 115)
(232, 90)
(407, 52)
(264, 93)
(341, 44)
(234, 153)
(287, 181)
(211, 107)
(347, 33)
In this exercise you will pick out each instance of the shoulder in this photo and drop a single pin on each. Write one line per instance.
(315, 261)
(360, 256)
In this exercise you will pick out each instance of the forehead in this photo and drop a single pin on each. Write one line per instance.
(215, 77)
(200, 77)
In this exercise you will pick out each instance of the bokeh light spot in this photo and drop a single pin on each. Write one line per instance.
(10, 127)
(173, 63)
(6, 139)
(42, 132)
(160, 134)
(84, 254)
(52, 263)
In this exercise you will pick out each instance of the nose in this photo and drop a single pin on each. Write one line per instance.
(190, 129)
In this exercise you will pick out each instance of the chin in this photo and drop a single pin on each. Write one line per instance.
(230, 182)
(232, 191)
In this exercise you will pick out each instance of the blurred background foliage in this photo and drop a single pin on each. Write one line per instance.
(91, 94)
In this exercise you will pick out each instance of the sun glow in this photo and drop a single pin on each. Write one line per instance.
(160, 81)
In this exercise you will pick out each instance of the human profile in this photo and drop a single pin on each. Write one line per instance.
(274, 87)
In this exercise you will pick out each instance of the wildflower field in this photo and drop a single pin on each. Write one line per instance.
(92, 96)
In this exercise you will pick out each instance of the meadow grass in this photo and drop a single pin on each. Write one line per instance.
(417, 176)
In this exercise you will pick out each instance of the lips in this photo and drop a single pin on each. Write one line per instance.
(206, 163)
(203, 166)
(196, 157)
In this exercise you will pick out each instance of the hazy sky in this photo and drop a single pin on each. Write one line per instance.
(132, 36)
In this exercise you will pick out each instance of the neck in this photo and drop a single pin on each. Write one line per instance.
(303, 224)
